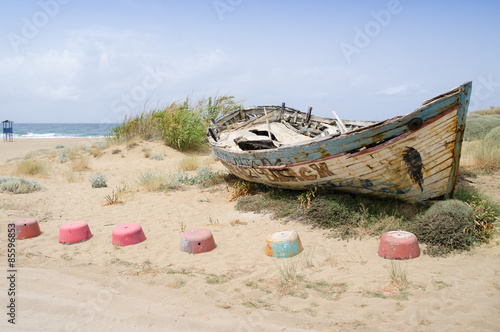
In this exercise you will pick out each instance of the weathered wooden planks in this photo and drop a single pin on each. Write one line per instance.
(413, 157)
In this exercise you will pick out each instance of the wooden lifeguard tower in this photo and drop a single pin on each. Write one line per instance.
(8, 132)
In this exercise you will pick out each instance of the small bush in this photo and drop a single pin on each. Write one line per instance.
(478, 127)
(486, 211)
(189, 164)
(18, 185)
(32, 167)
(494, 136)
(447, 226)
(157, 156)
(98, 180)
(59, 146)
(63, 157)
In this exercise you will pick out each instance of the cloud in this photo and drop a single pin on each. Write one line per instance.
(402, 88)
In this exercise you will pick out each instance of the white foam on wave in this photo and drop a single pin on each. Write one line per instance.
(51, 135)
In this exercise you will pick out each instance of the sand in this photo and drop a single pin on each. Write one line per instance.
(153, 286)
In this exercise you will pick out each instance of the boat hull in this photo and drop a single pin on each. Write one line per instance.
(414, 157)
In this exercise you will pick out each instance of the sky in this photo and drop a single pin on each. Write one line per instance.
(75, 61)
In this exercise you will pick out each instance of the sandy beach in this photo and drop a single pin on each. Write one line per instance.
(153, 286)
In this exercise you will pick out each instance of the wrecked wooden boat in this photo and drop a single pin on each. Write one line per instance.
(414, 157)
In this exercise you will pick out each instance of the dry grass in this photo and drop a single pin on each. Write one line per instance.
(32, 167)
(189, 164)
(242, 188)
(398, 275)
(481, 155)
(147, 152)
(150, 181)
(81, 163)
(74, 177)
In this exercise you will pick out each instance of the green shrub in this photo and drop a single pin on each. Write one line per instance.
(98, 180)
(494, 136)
(447, 226)
(478, 127)
(486, 211)
(18, 185)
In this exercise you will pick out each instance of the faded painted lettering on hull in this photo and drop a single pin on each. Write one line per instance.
(414, 157)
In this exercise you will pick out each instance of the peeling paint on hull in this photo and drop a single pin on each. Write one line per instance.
(414, 157)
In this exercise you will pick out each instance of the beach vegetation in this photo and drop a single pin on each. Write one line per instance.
(179, 282)
(214, 279)
(204, 177)
(155, 181)
(241, 188)
(446, 226)
(115, 196)
(486, 210)
(80, 163)
(18, 185)
(74, 177)
(147, 152)
(157, 156)
(480, 123)
(59, 146)
(398, 275)
(189, 163)
(482, 155)
(180, 125)
(98, 180)
(63, 157)
(32, 167)
(287, 270)
(346, 215)
(182, 226)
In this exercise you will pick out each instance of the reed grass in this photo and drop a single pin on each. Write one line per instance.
(181, 125)
(481, 155)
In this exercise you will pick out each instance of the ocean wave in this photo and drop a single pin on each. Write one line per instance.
(51, 135)
(33, 135)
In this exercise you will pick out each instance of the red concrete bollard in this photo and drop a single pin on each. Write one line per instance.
(127, 234)
(197, 240)
(26, 228)
(74, 232)
(399, 245)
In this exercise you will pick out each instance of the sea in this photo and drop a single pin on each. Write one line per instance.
(61, 130)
